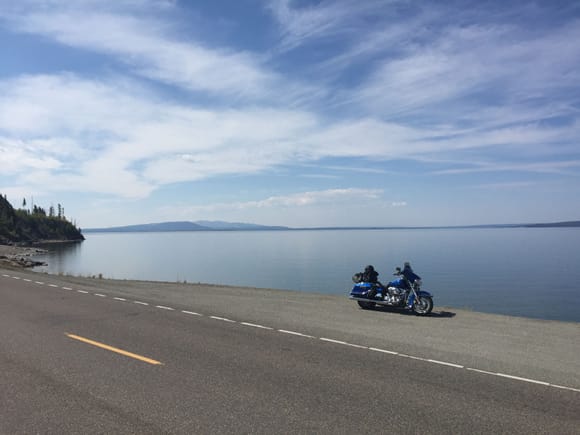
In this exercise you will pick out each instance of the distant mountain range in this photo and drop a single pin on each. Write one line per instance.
(237, 226)
(185, 226)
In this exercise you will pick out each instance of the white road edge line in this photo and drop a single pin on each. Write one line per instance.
(517, 378)
(358, 346)
(330, 340)
(458, 366)
(256, 326)
(565, 388)
(390, 352)
(480, 371)
(192, 313)
(412, 357)
(165, 308)
(295, 333)
(223, 319)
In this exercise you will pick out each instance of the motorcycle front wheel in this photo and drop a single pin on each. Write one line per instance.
(366, 305)
(423, 305)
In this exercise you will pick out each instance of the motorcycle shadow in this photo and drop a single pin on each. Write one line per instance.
(441, 314)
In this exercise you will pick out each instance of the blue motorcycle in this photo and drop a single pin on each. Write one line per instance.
(404, 292)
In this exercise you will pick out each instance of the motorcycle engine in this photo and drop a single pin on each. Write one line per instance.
(394, 294)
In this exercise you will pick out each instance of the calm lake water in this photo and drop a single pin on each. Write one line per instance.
(532, 272)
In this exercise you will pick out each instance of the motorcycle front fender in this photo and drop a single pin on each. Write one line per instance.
(424, 293)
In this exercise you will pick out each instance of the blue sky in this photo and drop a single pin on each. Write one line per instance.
(286, 112)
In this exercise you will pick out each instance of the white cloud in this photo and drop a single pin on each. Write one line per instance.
(92, 133)
(465, 69)
(317, 197)
(292, 202)
(145, 43)
(17, 155)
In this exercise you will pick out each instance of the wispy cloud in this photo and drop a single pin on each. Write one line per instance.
(146, 44)
(554, 167)
(292, 201)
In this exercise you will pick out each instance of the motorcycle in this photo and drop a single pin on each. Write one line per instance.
(404, 292)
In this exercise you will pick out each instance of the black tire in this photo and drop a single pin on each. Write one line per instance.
(423, 305)
(366, 305)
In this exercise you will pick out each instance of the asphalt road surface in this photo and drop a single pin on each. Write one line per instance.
(99, 356)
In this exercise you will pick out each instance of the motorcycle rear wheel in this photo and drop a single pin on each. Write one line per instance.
(423, 305)
(366, 305)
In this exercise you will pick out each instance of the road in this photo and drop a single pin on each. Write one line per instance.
(99, 356)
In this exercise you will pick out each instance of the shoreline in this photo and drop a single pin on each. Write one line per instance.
(19, 258)
(94, 281)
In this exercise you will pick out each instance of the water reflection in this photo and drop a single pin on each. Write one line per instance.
(60, 258)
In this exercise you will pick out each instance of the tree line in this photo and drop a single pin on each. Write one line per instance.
(39, 211)
(35, 225)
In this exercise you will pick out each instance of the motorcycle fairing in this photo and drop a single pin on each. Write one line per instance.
(361, 289)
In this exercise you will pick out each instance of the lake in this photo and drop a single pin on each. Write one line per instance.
(531, 272)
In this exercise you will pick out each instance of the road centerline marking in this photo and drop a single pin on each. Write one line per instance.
(114, 349)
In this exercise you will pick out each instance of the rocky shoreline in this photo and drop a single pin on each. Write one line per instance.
(20, 257)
